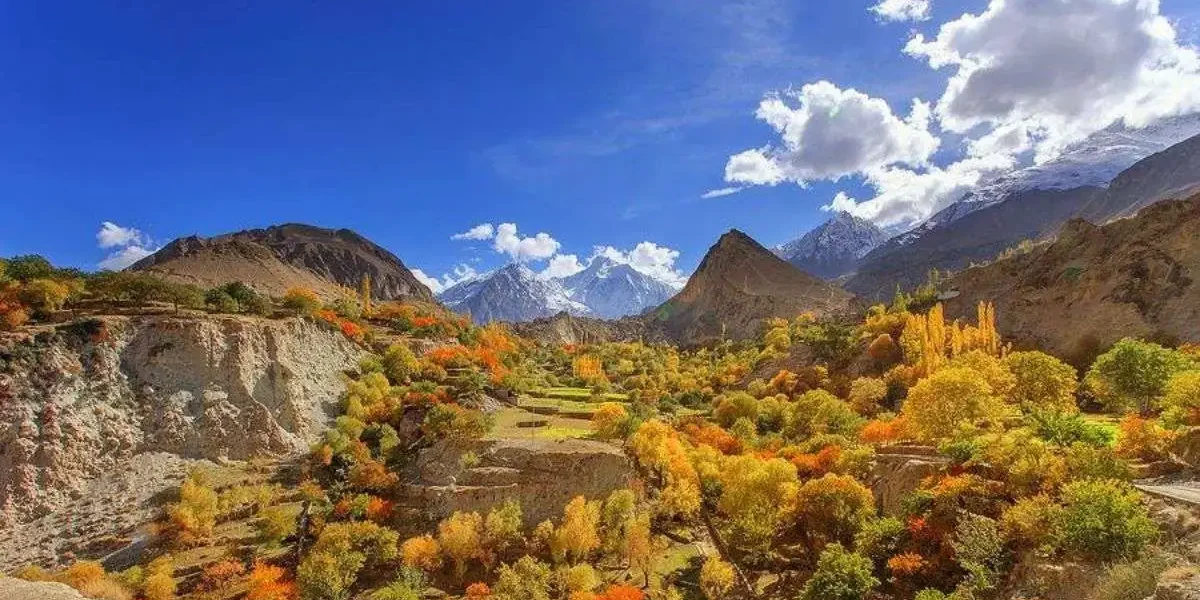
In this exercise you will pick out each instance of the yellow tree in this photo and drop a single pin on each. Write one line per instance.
(949, 398)
(460, 536)
(579, 534)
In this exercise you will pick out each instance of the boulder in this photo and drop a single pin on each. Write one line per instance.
(895, 476)
(19, 589)
(1178, 583)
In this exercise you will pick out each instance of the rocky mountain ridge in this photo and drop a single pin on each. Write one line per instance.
(738, 284)
(283, 256)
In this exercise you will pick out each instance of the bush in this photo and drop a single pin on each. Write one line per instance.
(1143, 439)
(1104, 520)
(833, 508)
(196, 513)
(880, 538)
(526, 579)
(611, 421)
(302, 300)
(866, 395)
(1133, 580)
(840, 575)
(1181, 400)
(716, 578)
(1033, 523)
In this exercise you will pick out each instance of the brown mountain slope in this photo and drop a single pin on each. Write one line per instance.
(738, 284)
(283, 256)
(977, 237)
(1094, 285)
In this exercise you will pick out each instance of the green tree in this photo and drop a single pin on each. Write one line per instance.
(1042, 382)
(1104, 520)
(1133, 375)
(840, 575)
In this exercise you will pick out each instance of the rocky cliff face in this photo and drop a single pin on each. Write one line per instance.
(85, 399)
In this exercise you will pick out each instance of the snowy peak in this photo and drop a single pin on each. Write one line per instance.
(612, 289)
(513, 293)
(834, 248)
(1091, 162)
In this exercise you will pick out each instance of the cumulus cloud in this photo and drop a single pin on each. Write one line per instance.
(1059, 71)
(112, 235)
(826, 132)
(522, 249)
(460, 274)
(127, 245)
(483, 231)
(719, 192)
(902, 10)
(648, 258)
(841, 203)
(562, 265)
(124, 257)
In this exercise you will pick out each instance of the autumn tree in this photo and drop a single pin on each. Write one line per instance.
(1132, 376)
(578, 534)
(269, 582)
(461, 537)
(526, 579)
(833, 508)
(159, 583)
(716, 578)
(1181, 399)
(399, 363)
(44, 296)
(639, 547)
(195, 515)
(342, 550)
(733, 406)
(502, 528)
(940, 403)
(818, 411)
(422, 553)
(1042, 382)
(610, 421)
(756, 496)
(866, 395)
(302, 300)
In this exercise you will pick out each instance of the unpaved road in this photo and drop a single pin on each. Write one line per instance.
(1184, 492)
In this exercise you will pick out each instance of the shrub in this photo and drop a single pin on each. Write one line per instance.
(196, 513)
(733, 406)
(716, 578)
(526, 579)
(1133, 580)
(1033, 523)
(269, 582)
(1181, 400)
(880, 538)
(1133, 375)
(866, 394)
(461, 538)
(275, 524)
(220, 575)
(1140, 438)
(611, 421)
(840, 575)
(422, 552)
(1066, 428)
(1104, 520)
(456, 423)
(399, 363)
(159, 584)
(833, 509)
(302, 300)
(502, 526)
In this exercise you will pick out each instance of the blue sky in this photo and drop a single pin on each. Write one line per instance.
(598, 123)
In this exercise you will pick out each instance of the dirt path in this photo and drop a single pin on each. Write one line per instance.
(1188, 492)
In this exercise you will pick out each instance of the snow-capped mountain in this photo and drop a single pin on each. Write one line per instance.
(606, 289)
(834, 248)
(613, 290)
(513, 293)
(1093, 161)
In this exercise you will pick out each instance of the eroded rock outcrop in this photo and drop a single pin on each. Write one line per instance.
(17, 589)
(542, 474)
(82, 400)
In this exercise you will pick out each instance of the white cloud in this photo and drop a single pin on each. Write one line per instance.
(562, 265)
(648, 258)
(124, 257)
(432, 283)
(832, 133)
(131, 245)
(841, 203)
(112, 235)
(1061, 70)
(719, 192)
(537, 247)
(483, 231)
(461, 273)
(902, 10)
